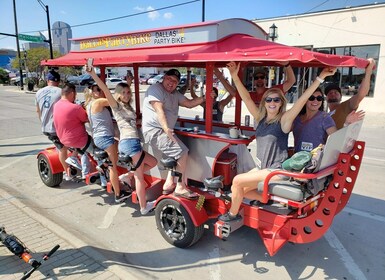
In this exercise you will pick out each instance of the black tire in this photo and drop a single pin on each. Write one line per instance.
(175, 224)
(45, 172)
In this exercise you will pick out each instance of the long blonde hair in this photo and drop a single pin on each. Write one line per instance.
(262, 110)
(118, 91)
(88, 96)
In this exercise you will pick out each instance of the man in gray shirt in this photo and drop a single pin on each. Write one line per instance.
(160, 114)
(45, 99)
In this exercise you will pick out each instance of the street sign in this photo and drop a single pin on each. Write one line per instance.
(31, 38)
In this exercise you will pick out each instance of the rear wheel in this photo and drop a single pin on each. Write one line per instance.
(45, 172)
(175, 224)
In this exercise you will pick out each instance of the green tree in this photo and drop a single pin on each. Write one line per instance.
(34, 58)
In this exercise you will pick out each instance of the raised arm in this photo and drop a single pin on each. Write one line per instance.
(192, 89)
(289, 116)
(232, 92)
(245, 95)
(103, 87)
(225, 82)
(364, 87)
(129, 78)
(290, 78)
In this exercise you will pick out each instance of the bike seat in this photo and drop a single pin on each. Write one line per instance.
(214, 183)
(100, 154)
(169, 163)
(125, 158)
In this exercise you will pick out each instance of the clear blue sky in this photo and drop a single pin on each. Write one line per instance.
(32, 17)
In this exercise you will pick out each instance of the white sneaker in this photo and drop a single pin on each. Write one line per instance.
(149, 207)
(125, 178)
(73, 161)
(67, 178)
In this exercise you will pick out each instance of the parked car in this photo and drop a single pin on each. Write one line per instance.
(113, 82)
(156, 79)
(86, 80)
(143, 79)
(73, 80)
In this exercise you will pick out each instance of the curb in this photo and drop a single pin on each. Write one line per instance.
(69, 237)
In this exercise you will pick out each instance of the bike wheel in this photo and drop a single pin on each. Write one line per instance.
(175, 224)
(45, 172)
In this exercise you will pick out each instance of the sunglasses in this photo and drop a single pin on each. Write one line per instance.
(319, 98)
(259, 77)
(275, 99)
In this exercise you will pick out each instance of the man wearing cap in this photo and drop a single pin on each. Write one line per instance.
(160, 114)
(45, 99)
(339, 111)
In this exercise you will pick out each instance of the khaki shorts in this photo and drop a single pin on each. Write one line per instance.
(158, 139)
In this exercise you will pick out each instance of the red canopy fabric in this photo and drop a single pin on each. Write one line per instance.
(233, 48)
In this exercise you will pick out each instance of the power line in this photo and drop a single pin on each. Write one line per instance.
(121, 17)
(319, 5)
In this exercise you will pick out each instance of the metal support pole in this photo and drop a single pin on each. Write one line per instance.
(18, 46)
(49, 32)
(203, 10)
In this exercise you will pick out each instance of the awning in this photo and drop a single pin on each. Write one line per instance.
(234, 40)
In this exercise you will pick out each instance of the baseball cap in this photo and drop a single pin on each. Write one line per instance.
(53, 76)
(173, 72)
(331, 87)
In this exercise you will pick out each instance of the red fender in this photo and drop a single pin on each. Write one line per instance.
(194, 208)
(53, 159)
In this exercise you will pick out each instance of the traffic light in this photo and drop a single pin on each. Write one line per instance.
(25, 55)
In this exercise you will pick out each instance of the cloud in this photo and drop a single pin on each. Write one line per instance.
(63, 12)
(153, 15)
(168, 15)
(139, 9)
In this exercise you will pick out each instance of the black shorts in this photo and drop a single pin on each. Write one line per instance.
(55, 140)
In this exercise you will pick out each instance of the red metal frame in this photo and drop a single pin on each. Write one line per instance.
(312, 217)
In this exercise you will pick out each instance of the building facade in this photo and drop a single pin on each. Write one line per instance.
(6, 56)
(61, 33)
(355, 31)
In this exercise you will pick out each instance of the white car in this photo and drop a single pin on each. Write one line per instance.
(156, 79)
(113, 82)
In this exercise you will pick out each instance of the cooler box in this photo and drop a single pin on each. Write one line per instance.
(226, 165)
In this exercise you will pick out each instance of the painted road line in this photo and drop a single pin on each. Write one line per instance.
(365, 214)
(109, 217)
(346, 258)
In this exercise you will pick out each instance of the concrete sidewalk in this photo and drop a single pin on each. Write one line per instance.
(73, 260)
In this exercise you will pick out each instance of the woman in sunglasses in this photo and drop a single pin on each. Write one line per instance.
(273, 126)
(313, 125)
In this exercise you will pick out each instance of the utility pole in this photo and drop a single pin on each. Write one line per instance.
(18, 46)
(49, 32)
(49, 41)
(203, 10)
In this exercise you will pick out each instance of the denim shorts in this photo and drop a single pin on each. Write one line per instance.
(103, 142)
(130, 146)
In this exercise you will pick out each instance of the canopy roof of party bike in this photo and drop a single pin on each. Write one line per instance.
(194, 45)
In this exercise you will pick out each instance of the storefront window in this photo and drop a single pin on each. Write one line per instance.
(349, 78)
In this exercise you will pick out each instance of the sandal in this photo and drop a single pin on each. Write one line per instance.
(169, 190)
(187, 194)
